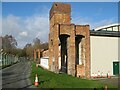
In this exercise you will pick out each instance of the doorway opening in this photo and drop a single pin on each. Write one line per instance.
(78, 47)
(64, 52)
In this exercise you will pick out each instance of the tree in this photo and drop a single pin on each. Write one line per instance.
(29, 50)
(36, 43)
(9, 43)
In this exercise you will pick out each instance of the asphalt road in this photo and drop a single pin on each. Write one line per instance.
(17, 76)
(115, 81)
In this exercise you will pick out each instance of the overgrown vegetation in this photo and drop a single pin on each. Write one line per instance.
(49, 79)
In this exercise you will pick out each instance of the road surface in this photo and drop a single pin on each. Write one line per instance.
(115, 81)
(17, 76)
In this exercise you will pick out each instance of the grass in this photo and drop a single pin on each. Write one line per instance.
(49, 79)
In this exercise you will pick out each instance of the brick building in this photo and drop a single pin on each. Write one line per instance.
(69, 44)
(37, 55)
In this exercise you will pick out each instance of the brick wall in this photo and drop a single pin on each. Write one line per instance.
(45, 53)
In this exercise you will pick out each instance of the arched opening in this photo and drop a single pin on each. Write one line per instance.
(64, 52)
(78, 47)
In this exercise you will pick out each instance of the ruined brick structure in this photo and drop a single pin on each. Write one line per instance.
(37, 53)
(69, 44)
(45, 53)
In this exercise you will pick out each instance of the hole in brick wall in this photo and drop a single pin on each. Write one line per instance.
(55, 4)
(51, 42)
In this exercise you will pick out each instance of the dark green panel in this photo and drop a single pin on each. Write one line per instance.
(115, 68)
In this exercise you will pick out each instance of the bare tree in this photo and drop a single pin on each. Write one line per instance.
(36, 43)
(29, 50)
(9, 43)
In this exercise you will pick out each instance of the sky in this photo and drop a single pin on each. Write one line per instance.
(29, 20)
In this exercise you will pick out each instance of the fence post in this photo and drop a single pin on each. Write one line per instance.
(6, 59)
(3, 59)
(10, 59)
(0, 59)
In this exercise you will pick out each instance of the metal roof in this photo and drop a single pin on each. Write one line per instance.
(107, 26)
(105, 33)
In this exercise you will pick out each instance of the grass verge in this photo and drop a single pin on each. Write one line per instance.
(49, 79)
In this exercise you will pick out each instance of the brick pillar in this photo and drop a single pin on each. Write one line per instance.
(39, 53)
(34, 56)
(39, 56)
(83, 54)
(87, 63)
(56, 47)
(50, 50)
(71, 52)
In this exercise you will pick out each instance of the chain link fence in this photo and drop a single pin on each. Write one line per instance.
(7, 59)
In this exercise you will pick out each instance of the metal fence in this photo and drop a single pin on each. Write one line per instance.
(7, 59)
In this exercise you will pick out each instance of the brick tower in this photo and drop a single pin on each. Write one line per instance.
(69, 44)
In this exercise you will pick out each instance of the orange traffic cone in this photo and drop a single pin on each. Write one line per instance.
(36, 80)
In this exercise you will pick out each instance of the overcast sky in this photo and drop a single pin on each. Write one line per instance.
(28, 20)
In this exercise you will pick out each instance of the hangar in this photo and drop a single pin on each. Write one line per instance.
(104, 50)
